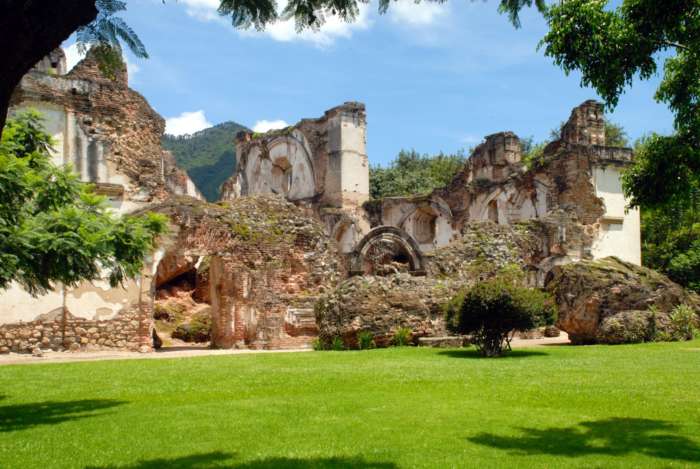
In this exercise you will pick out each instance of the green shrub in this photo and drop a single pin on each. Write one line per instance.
(628, 327)
(365, 340)
(494, 309)
(337, 344)
(683, 321)
(402, 337)
(197, 330)
(317, 345)
(168, 311)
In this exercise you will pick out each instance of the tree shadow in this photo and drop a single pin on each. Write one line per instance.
(22, 416)
(612, 437)
(472, 353)
(221, 460)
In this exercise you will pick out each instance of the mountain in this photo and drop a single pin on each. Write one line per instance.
(208, 156)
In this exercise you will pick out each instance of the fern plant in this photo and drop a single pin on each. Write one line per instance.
(107, 33)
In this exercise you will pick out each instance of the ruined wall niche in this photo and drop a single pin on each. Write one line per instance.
(425, 226)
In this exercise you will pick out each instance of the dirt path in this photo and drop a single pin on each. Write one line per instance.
(181, 352)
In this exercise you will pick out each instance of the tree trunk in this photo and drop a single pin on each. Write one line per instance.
(30, 30)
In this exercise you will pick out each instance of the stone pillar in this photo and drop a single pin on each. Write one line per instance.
(347, 179)
(223, 304)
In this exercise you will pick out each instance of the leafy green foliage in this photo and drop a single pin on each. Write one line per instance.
(493, 309)
(208, 156)
(52, 227)
(684, 320)
(615, 135)
(671, 227)
(365, 340)
(402, 337)
(198, 329)
(412, 173)
(312, 14)
(337, 344)
(610, 47)
(533, 153)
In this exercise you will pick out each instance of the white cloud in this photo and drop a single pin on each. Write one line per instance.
(187, 123)
(285, 31)
(73, 56)
(204, 10)
(264, 125)
(411, 13)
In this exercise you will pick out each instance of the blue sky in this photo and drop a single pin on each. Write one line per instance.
(433, 77)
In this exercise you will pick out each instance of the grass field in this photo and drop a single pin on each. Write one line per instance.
(624, 406)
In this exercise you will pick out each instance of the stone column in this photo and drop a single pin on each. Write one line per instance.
(223, 304)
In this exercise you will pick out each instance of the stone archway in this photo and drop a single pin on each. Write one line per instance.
(384, 250)
(182, 313)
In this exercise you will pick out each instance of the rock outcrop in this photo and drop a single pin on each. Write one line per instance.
(608, 300)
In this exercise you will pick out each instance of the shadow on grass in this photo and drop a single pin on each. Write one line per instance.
(22, 416)
(612, 437)
(220, 460)
(472, 353)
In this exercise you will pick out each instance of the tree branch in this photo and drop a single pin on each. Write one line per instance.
(675, 45)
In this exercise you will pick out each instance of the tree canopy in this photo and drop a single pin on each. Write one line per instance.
(610, 47)
(411, 173)
(53, 228)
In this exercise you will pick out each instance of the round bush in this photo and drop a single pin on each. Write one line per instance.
(492, 310)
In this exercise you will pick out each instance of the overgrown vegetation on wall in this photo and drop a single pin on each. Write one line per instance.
(208, 156)
(411, 173)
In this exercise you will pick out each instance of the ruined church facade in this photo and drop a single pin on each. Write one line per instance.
(296, 218)
(574, 189)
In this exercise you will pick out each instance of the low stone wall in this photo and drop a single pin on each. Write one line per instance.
(129, 331)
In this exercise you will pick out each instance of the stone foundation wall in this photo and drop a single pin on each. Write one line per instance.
(129, 331)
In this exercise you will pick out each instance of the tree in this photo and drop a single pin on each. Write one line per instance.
(411, 173)
(53, 228)
(612, 46)
(492, 310)
(671, 233)
(31, 29)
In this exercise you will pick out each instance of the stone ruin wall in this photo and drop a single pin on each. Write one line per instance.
(574, 191)
(270, 260)
(319, 164)
(111, 137)
(105, 130)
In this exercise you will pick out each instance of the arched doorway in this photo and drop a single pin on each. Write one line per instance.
(182, 309)
(386, 250)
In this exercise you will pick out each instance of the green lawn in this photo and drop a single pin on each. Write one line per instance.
(623, 406)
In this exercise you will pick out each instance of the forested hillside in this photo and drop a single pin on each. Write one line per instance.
(208, 156)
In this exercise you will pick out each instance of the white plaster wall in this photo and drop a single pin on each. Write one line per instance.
(19, 306)
(620, 232)
(258, 170)
(96, 300)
